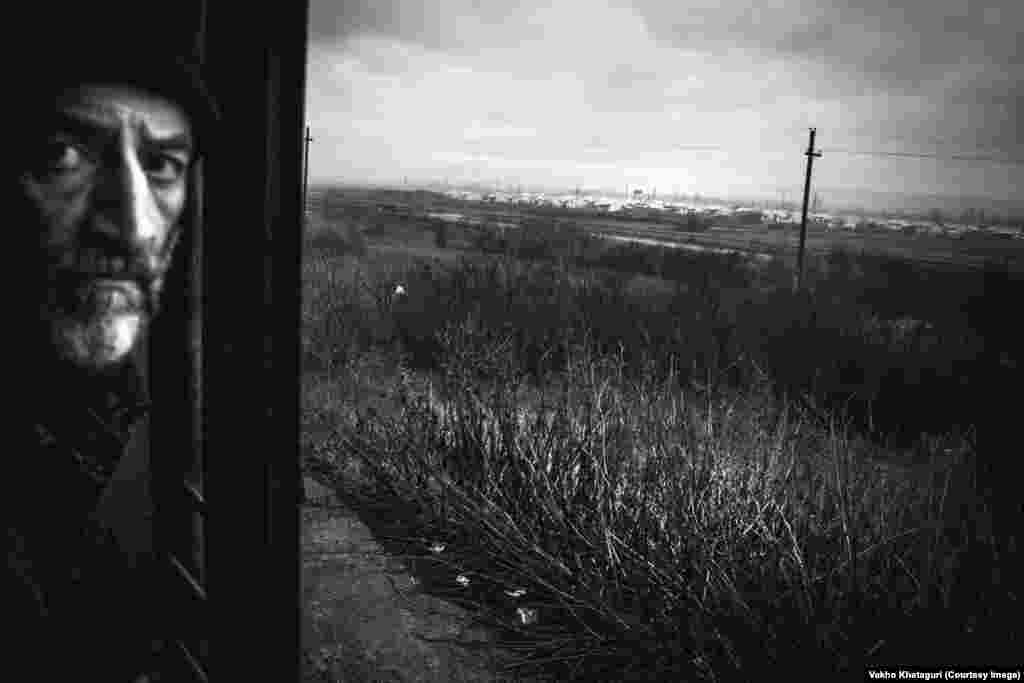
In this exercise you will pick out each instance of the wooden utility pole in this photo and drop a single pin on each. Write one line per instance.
(305, 173)
(810, 153)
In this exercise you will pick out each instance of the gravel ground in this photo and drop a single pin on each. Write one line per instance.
(363, 619)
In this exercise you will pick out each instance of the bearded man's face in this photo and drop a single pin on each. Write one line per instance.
(104, 179)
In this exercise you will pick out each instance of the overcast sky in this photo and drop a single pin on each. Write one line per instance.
(713, 96)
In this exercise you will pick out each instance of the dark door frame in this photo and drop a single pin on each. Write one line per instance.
(224, 449)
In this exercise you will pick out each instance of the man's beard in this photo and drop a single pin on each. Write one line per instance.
(96, 324)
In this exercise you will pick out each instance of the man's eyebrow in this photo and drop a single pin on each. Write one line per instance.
(179, 142)
(89, 122)
(79, 122)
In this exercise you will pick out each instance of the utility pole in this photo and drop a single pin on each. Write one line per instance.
(305, 175)
(811, 154)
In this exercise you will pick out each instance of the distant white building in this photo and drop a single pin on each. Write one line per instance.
(778, 216)
(1004, 231)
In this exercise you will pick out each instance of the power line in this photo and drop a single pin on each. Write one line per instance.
(868, 153)
(913, 155)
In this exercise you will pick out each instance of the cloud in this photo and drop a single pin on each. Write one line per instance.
(947, 52)
(441, 25)
(625, 76)
(337, 21)
(648, 85)
(478, 131)
(892, 44)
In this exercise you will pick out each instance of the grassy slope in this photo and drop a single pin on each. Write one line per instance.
(798, 546)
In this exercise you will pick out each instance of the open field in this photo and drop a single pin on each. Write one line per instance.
(634, 464)
(971, 251)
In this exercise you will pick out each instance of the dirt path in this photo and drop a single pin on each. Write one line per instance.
(363, 620)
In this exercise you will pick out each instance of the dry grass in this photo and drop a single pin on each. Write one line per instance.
(616, 515)
(650, 532)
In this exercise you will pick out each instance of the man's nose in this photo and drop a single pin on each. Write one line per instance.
(123, 206)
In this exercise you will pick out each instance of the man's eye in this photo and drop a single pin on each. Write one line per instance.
(165, 168)
(62, 157)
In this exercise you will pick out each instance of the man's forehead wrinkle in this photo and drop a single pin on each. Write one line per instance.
(112, 117)
(112, 106)
(94, 113)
